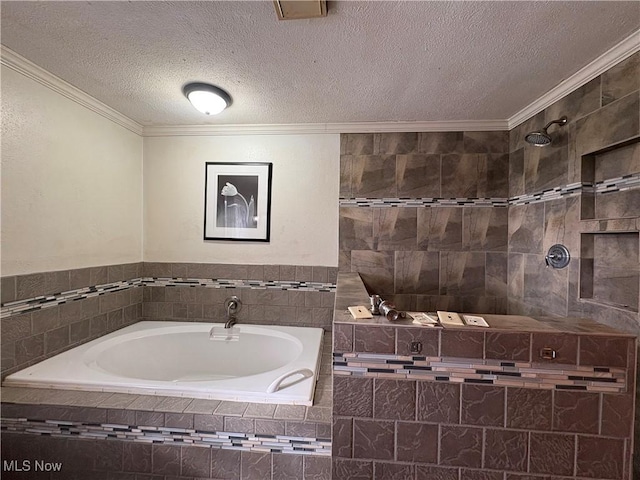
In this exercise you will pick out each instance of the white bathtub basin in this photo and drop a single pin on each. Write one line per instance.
(268, 364)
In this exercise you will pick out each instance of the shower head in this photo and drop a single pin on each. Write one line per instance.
(541, 138)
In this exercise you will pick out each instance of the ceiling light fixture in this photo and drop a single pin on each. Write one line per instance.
(207, 98)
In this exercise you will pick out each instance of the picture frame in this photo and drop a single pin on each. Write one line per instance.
(237, 201)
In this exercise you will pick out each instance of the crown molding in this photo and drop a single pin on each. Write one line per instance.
(16, 62)
(324, 128)
(619, 52)
(611, 57)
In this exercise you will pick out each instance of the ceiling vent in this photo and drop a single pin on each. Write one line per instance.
(296, 9)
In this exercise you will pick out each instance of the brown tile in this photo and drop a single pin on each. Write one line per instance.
(341, 440)
(462, 273)
(346, 167)
(225, 464)
(269, 427)
(461, 446)
(394, 399)
(485, 229)
(610, 124)
(482, 405)
(196, 462)
(462, 174)
(505, 450)
(603, 351)
(466, 474)
(342, 338)
(516, 173)
(16, 327)
(300, 429)
(547, 168)
(255, 466)
(353, 396)
(418, 176)
(429, 472)
(526, 228)
(406, 336)
(374, 339)
(356, 228)
(621, 79)
(552, 453)
(352, 469)
(137, 457)
(576, 412)
(373, 439)
(373, 176)
(29, 349)
(441, 142)
(108, 456)
(56, 282)
(486, 142)
(8, 289)
(439, 228)
(149, 419)
(356, 143)
(375, 268)
(496, 274)
(288, 467)
(529, 408)
(600, 457)
(29, 286)
(392, 471)
(416, 442)
(208, 423)
(396, 142)
(166, 459)
(507, 346)
(317, 468)
(394, 229)
(417, 272)
(461, 343)
(290, 412)
(438, 402)
(617, 415)
(565, 346)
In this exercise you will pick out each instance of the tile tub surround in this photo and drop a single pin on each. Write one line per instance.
(46, 313)
(456, 430)
(138, 434)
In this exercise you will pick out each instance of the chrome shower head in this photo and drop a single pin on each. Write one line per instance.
(541, 138)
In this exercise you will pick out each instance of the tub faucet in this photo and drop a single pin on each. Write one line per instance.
(233, 305)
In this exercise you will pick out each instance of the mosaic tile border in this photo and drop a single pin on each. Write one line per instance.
(618, 184)
(475, 371)
(250, 284)
(44, 301)
(166, 435)
(37, 303)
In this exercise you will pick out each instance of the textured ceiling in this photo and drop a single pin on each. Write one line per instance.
(364, 62)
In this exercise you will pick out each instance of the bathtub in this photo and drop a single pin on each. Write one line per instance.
(265, 364)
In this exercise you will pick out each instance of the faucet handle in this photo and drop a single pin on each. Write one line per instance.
(233, 305)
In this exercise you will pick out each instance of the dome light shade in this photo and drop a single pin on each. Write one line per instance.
(207, 98)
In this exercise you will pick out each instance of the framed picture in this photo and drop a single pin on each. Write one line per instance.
(237, 201)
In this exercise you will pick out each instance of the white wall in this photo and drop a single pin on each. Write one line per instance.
(304, 208)
(71, 183)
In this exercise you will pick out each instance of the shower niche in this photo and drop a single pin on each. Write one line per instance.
(610, 226)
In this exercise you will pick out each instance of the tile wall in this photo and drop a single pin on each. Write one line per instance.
(602, 113)
(46, 313)
(50, 322)
(449, 253)
(270, 294)
(426, 416)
